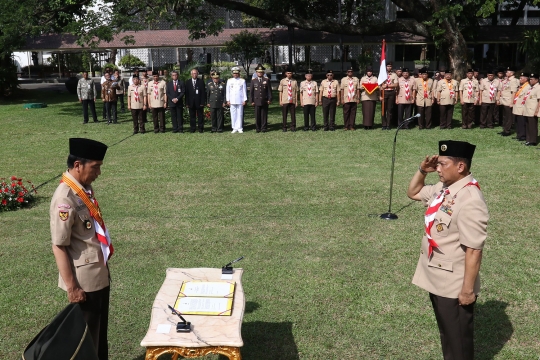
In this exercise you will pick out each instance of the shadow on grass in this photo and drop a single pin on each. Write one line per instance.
(492, 327)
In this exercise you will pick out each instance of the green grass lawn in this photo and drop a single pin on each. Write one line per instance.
(324, 278)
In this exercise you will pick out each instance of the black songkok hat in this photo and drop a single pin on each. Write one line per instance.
(470, 70)
(87, 149)
(329, 72)
(369, 69)
(350, 69)
(525, 74)
(309, 71)
(460, 149)
(405, 70)
(534, 75)
(511, 68)
(423, 70)
(490, 72)
(135, 77)
(155, 73)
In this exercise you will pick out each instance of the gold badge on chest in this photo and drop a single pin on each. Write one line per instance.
(440, 228)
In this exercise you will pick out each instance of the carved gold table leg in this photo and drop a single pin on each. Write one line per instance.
(154, 352)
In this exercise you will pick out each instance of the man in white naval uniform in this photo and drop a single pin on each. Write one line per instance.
(236, 99)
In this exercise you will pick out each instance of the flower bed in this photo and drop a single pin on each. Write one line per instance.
(15, 195)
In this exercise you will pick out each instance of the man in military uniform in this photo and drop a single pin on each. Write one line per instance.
(530, 112)
(260, 97)
(236, 98)
(288, 99)
(215, 93)
(80, 241)
(469, 94)
(157, 100)
(389, 98)
(518, 106)
(447, 97)
(136, 100)
(330, 98)
(423, 90)
(176, 91)
(309, 100)
(350, 95)
(509, 87)
(86, 91)
(489, 96)
(368, 96)
(405, 97)
(108, 95)
(455, 232)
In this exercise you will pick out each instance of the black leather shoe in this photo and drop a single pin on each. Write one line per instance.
(306, 129)
(325, 129)
(530, 144)
(505, 134)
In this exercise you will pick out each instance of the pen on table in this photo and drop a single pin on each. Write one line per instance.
(176, 313)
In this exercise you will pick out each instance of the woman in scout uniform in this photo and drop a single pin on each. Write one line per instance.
(369, 94)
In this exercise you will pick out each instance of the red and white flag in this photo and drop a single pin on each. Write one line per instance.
(383, 76)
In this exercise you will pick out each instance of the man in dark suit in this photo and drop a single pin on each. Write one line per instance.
(195, 100)
(261, 96)
(175, 94)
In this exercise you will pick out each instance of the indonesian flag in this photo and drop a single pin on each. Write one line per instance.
(383, 76)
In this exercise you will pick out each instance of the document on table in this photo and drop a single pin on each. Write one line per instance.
(223, 289)
(204, 306)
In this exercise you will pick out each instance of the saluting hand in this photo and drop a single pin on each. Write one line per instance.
(429, 164)
(76, 295)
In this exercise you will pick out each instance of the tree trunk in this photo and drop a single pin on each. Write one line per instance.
(456, 49)
(114, 52)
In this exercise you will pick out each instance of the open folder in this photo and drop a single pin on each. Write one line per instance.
(205, 298)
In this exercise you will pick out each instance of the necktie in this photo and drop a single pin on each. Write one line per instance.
(194, 83)
(175, 86)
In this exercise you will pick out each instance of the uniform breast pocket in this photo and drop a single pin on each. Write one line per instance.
(437, 263)
(86, 259)
(441, 225)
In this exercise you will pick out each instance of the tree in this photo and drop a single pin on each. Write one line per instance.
(245, 46)
(129, 60)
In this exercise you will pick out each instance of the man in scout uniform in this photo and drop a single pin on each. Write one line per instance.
(369, 94)
(489, 95)
(389, 99)
(86, 91)
(108, 95)
(447, 97)
(330, 98)
(530, 112)
(509, 87)
(176, 91)
(236, 95)
(120, 90)
(135, 73)
(288, 99)
(136, 100)
(80, 241)
(350, 95)
(215, 93)
(309, 100)
(498, 115)
(260, 97)
(157, 100)
(405, 97)
(477, 109)
(423, 90)
(455, 228)
(518, 106)
(469, 94)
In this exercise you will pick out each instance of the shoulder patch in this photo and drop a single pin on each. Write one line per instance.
(64, 215)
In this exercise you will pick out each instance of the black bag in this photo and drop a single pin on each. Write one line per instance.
(65, 338)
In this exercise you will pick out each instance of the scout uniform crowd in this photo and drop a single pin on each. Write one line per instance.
(500, 98)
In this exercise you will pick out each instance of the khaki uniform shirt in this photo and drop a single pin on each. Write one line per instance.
(364, 96)
(485, 86)
(69, 218)
(156, 101)
(86, 89)
(448, 91)
(108, 91)
(131, 95)
(460, 222)
(392, 78)
(345, 88)
(531, 104)
(464, 90)
(508, 88)
(309, 97)
(401, 97)
(284, 92)
(332, 85)
(422, 100)
(518, 108)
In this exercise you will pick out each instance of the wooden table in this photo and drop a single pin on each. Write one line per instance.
(209, 335)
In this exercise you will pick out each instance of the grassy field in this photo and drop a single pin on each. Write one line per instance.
(324, 278)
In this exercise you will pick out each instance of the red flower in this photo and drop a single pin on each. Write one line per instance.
(20, 199)
(13, 191)
(20, 182)
(13, 178)
(4, 202)
(6, 190)
(21, 193)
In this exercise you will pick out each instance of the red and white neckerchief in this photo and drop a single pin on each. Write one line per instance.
(156, 90)
(516, 97)
(136, 93)
(329, 89)
(350, 92)
(289, 91)
(469, 89)
(389, 80)
(309, 91)
(526, 96)
(491, 91)
(407, 91)
(429, 217)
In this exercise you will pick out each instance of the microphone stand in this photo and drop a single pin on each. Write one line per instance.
(389, 215)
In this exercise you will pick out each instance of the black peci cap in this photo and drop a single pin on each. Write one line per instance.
(154, 73)
(329, 72)
(309, 71)
(87, 149)
(405, 70)
(534, 75)
(423, 70)
(525, 74)
(460, 149)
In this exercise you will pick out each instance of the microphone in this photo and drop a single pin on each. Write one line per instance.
(227, 269)
(412, 118)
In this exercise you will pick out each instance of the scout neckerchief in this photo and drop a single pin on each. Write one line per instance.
(429, 218)
(156, 90)
(450, 87)
(309, 92)
(519, 92)
(469, 89)
(136, 93)
(407, 90)
(329, 89)
(93, 206)
(491, 91)
(389, 80)
(350, 92)
(424, 85)
(526, 96)
(289, 91)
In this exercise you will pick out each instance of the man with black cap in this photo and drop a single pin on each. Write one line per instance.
(489, 95)
(518, 106)
(350, 95)
(469, 94)
(423, 90)
(80, 241)
(455, 228)
(447, 97)
(509, 87)
(405, 97)
(530, 112)
(498, 115)
(288, 99)
(369, 94)
(330, 98)
(260, 97)
(389, 99)
(176, 91)
(309, 100)
(215, 93)
(136, 100)
(157, 101)
(135, 73)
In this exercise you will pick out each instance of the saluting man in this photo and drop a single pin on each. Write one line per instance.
(136, 100)
(288, 99)
(405, 97)
(455, 232)
(423, 90)
(261, 96)
(518, 106)
(236, 98)
(470, 95)
(369, 94)
(447, 97)
(530, 112)
(330, 98)
(489, 96)
(509, 87)
(309, 100)
(215, 93)
(350, 87)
